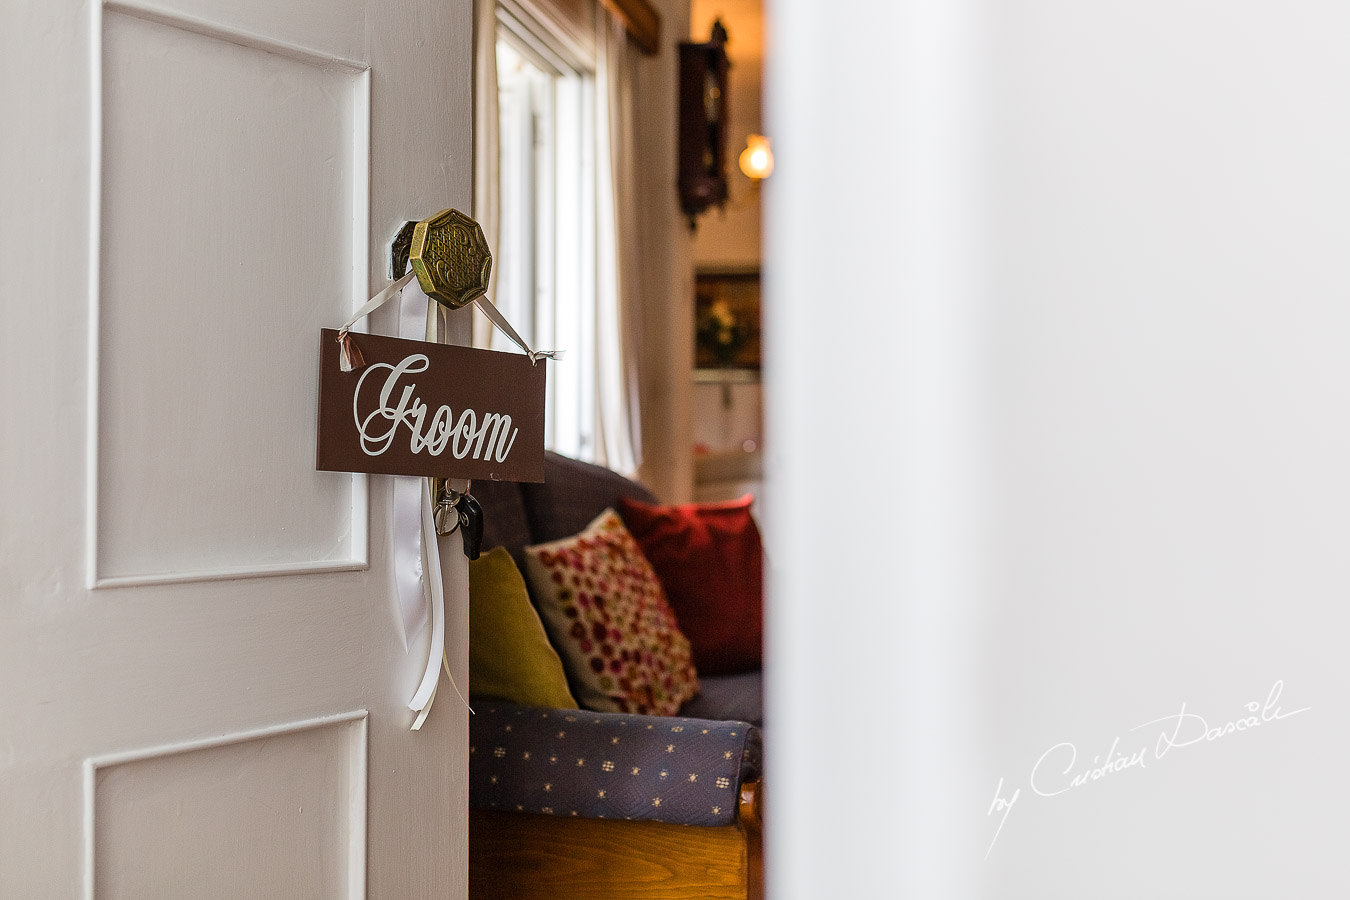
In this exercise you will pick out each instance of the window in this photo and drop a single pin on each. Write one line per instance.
(546, 246)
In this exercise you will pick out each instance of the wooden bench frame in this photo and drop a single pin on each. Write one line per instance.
(520, 856)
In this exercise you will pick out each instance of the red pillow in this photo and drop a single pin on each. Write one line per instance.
(711, 563)
(609, 620)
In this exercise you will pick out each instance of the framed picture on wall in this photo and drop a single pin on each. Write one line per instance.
(726, 324)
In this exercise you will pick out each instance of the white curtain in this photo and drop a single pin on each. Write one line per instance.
(595, 314)
(486, 152)
(618, 323)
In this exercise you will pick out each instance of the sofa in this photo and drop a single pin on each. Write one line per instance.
(599, 805)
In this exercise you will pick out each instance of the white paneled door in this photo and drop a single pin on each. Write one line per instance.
(203, 669)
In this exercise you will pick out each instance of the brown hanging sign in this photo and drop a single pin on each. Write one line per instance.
(419, 408)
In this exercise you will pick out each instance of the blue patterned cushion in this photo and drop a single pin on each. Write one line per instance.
(609, 765)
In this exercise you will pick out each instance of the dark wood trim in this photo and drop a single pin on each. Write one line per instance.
(642, 20)
(750, 816)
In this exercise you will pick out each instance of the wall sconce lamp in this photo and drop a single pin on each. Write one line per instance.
(757, 158)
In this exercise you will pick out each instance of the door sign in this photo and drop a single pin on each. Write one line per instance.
(420, 408)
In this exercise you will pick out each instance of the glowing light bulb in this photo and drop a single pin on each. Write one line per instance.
(757, 158)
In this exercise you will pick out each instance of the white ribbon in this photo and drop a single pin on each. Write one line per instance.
(419, 585)
(408, 489)
(499, 320)
(407, 551)
(426, 690)
(484, 304)
(376, 302)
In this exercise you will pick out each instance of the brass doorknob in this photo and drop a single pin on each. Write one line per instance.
(451, 258)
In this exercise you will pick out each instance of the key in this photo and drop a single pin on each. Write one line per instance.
(459, 509)
(471, 525)
(446, 513)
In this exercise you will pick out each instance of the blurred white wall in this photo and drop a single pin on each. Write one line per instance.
(666, 312)
(1057, 318)
(728, 417)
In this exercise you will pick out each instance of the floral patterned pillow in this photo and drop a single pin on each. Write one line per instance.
(608, 618)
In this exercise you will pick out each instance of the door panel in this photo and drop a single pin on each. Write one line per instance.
(291, 804)
(247, 214)
(191, 192)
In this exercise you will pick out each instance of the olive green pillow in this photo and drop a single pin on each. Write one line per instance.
(510, 657)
